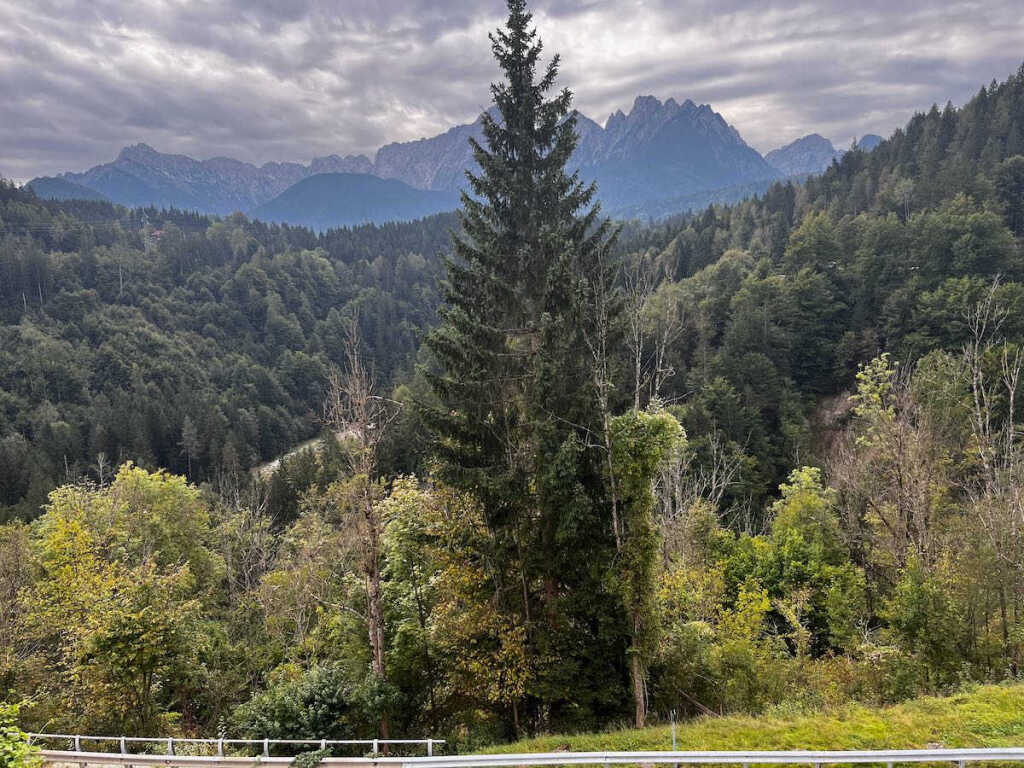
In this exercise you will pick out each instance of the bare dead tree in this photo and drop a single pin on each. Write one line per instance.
(984, 321)
(639, 284)
(355, 412)
(248, 544)
(684, 483)
(995, 494)
(655, 320)
(598, 339)
(893, 469)
(667, 321)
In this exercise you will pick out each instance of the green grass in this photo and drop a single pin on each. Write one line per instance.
(987, 716)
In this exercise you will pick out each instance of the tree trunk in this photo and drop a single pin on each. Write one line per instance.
(637, 673)
(375, 628)
(374, 612)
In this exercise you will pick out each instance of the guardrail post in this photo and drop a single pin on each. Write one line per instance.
(376, 745)
(123, 750)
(962, 764)
(266, 747)
(78, 743)
(170, 746)
(430, 747)
(220, 747)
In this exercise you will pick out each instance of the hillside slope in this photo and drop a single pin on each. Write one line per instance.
(56, 188)
(342, 199)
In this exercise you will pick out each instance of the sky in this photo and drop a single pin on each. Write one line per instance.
(274, 80)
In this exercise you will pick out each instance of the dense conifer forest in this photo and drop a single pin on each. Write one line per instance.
(572, 473)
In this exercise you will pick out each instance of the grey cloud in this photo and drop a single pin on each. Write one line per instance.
(268, 80)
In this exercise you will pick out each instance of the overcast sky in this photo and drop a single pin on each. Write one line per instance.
(267, 80)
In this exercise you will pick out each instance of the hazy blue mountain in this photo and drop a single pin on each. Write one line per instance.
(809, 154)
(142, 176)
(812, 154)
(56, 188)
(329, 200)
(868, 141)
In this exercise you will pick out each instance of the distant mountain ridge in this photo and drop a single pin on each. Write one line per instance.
(142, 176)
(659, 158)
(812, 154)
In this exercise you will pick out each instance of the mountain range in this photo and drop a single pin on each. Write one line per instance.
(659, 158)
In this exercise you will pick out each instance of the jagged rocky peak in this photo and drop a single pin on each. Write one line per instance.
(649, 109)
(649, 116)
(133, 151)
(338, 164)
(615, 120)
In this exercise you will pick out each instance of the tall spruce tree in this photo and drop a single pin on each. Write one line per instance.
(518, 423)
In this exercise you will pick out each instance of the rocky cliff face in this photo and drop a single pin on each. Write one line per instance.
(662, 152)
(437, 163)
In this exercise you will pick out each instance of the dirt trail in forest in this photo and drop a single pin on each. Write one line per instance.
(263, 471)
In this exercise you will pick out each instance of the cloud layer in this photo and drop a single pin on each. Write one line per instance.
(264, 80)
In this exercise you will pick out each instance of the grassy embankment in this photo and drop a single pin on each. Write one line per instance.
(987, 716)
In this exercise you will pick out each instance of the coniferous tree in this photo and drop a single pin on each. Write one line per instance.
(518, 421)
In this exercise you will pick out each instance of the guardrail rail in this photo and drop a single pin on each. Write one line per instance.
(169, 743)
(957, 757)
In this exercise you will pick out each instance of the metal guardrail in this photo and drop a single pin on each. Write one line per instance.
(958, 757)
(169, 743)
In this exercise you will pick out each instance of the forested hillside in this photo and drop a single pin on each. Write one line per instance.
(764, 310)
(765, 455)
(184, 342)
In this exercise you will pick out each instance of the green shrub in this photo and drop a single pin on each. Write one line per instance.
(319, 701)
(15, 749)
